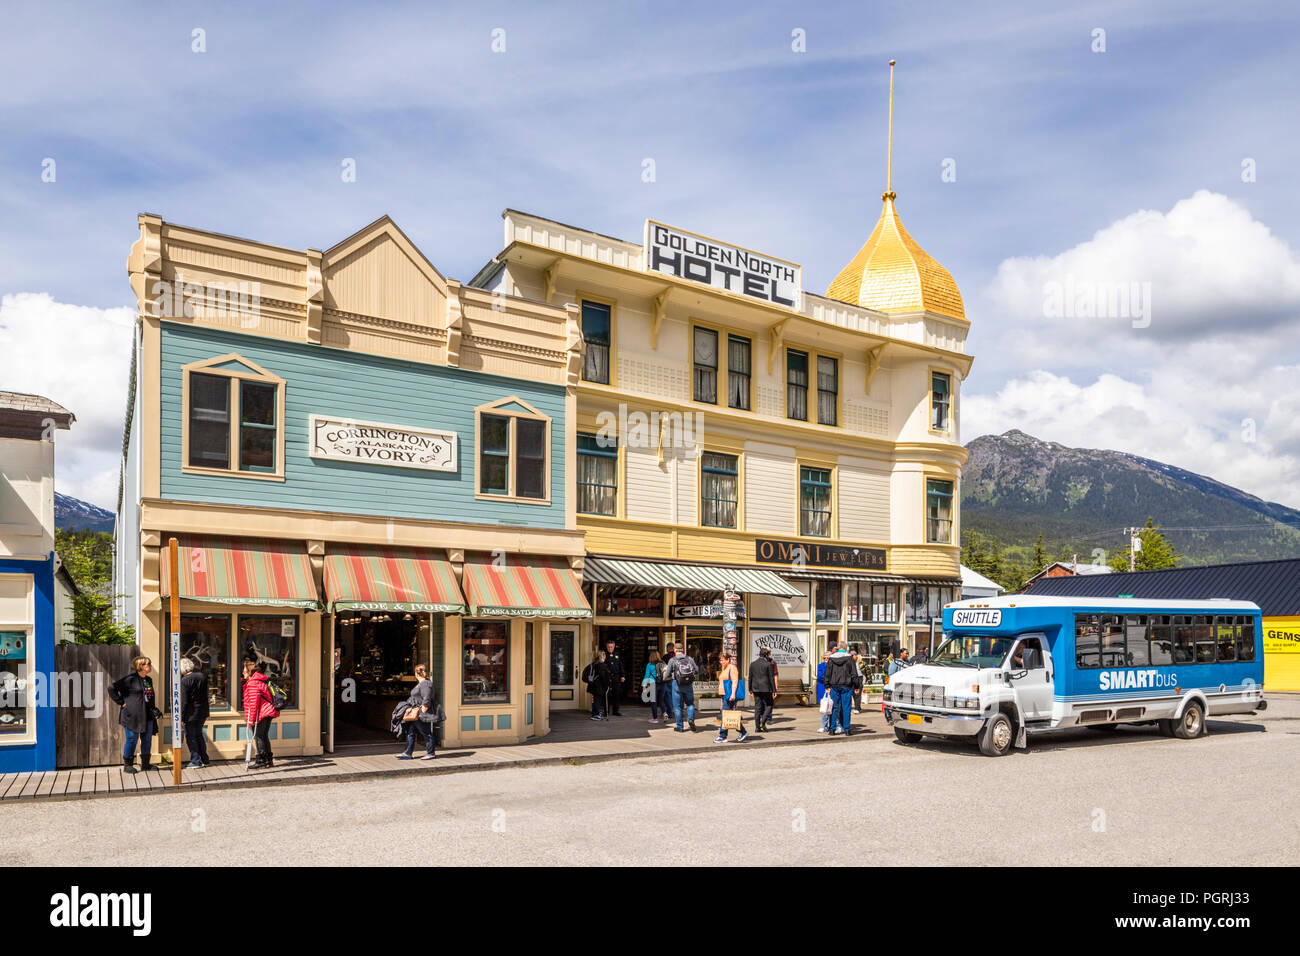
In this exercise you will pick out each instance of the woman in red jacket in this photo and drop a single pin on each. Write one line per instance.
(259, 711)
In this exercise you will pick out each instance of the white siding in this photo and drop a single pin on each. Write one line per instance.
(687, 467)
(863, 500)
(770, 479)
(648, 495)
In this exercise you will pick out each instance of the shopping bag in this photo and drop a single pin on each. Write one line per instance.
(828, 706)
(731, 720)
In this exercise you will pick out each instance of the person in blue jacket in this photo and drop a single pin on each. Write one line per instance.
(821, 692)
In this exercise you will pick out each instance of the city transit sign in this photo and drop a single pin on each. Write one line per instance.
(688, 255)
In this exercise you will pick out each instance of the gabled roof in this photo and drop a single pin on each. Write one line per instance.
(973, 579)
(1273, 585)
(26, 416)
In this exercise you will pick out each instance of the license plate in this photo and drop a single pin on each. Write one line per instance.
(915, 719)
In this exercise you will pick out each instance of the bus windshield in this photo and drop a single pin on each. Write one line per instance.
(973, 650)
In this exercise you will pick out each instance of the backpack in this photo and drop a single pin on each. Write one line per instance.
(685, 670)
(279, 697)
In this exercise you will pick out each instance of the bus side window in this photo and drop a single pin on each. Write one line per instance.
(1087, 640)
(1135, 633)
(1112, 640)
(1226, 629)
(1184, 643)
(1246, 639)
(1162, 641)
(1204, 631)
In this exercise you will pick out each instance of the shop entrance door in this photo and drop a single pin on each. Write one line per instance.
(563, 668)
(327, 665)
(377, 654)
(633, 646)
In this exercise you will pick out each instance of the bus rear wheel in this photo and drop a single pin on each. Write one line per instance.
(996, 737)
(906, 736)
(1192, 724)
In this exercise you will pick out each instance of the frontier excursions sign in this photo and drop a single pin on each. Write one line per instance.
(687, 255)
(371, 443)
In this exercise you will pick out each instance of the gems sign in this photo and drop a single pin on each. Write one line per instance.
(370, 443)
(686, 255)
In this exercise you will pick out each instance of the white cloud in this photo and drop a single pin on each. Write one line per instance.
(80, 357)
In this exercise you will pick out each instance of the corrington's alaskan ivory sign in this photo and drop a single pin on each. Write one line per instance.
(371, 443)
(686, 255)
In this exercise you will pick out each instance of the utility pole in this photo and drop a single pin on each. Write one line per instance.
(1134, 546)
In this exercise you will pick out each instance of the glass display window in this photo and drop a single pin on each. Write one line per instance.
(561, 658)
(15, 672)
(205, 640)
(273, 641)
(485, 652)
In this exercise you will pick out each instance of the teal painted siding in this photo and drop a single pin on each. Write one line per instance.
(328, 381)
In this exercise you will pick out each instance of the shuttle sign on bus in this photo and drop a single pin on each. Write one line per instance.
(977, 617)
(686, 255)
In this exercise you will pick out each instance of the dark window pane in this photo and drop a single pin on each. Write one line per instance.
(796, 388)
(939, 401)
(595, 336)
(739, 363)
(257, 404)
(706, 366)
(1087, 640)
(209, 425)
(530, 468)
(829, 594)
(1246, 639)
(279, 654)
(494, 455)
(561, 658)
(828, 389)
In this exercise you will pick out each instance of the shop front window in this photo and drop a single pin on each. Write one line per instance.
(15, 673)
(485, 646)
(528, 653)
(705, 648)
(205, 640)
(624, 600)
(873, 647)
(273, 641)
(829, 600)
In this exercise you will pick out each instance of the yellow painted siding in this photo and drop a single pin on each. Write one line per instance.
(931, 559)
(617, 538)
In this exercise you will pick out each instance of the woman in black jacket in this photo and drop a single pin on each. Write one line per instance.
(425, 698)
(139, 714)
(597, 677)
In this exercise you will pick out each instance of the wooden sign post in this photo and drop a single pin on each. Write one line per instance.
(175, 636)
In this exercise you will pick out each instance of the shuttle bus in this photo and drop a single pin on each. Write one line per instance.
(1016, 666)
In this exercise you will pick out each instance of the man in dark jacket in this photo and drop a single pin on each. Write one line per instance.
(762, 682)
(617, 679)
(139, 715)
(840, 673)
(194, 711)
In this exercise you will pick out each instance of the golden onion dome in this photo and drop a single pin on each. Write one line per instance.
(892, 274)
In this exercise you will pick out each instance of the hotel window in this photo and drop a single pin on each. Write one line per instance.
(597, 475)
(233, 420)
(205, 639)
(706, 366)
(719, 490)
(815, 502)
(828, 390)
(739, 371)
(796, 385)
(513, 438)
(940, 400)
(485, 649)
(938, 511)
(596, 337)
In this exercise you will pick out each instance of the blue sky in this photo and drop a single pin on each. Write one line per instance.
(753, 142)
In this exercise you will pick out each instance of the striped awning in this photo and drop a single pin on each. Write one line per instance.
(686, 577)
(391, 579)
(524, 586)
(242, 571)
(870, 577)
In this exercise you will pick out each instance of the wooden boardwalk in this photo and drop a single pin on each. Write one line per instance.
(572, 737)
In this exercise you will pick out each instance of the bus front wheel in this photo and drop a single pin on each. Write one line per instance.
(906, 736)
(1192, 724)
(996, 737)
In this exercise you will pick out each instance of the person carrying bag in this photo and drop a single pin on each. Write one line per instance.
(733, 692)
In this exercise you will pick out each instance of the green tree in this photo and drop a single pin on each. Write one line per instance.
(1156, 553)
(93, 622)
(1040, 555)
(1014, 576)
(88, 556)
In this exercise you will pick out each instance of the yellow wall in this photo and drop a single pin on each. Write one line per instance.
(1282, 653)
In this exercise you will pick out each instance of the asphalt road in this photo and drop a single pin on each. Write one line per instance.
(1130, 797)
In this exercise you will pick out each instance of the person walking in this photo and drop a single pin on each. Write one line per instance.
(839, 681)
(617, 680)
(821, 693)
(857, 682)
(894, 664)
(681, 673)
(596, 677)
(664, 688)
(135, 694)
(259, 711)
(762, 684)
(922, 656)
(652, 681)
(194, 711)
(424, 697)
(729, 684)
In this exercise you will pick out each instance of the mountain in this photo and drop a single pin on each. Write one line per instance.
(74, 514)
(1015, 486)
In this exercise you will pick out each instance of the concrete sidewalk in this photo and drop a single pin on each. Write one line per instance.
(573, 738)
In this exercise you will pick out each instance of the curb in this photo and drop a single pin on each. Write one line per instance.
(254, 781)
